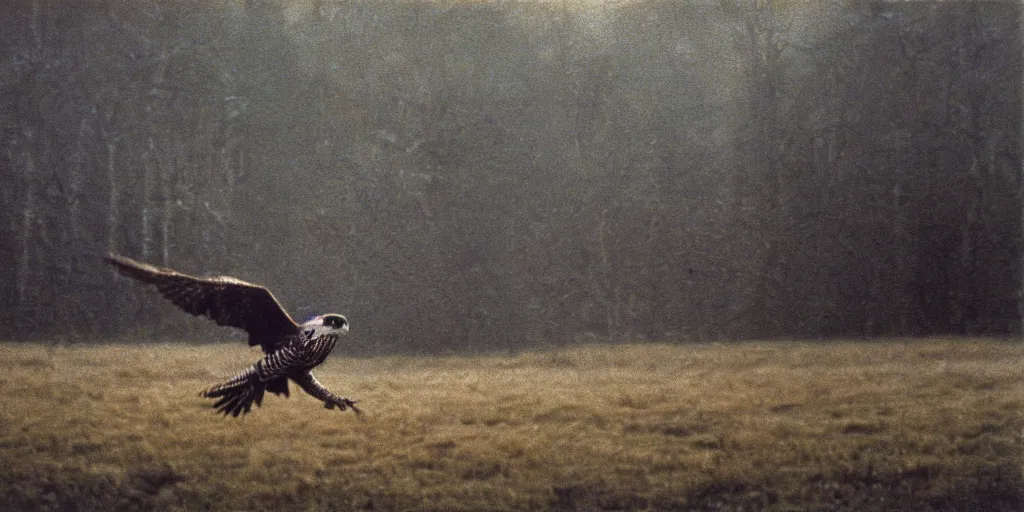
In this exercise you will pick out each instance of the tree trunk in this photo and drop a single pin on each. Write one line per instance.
(24, 298)
(147, 211)
(165, 217)
(112, 204)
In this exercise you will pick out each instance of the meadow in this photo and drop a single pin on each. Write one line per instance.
(895, 425)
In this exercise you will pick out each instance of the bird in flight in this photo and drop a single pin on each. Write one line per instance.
(291, 350)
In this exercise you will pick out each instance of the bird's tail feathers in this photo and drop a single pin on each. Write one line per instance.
(237, 395)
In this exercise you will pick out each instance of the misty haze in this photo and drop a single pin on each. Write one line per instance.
(623, 255)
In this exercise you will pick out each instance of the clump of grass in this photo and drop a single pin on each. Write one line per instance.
(898, 425)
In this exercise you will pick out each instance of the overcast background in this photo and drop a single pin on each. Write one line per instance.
(461, 176)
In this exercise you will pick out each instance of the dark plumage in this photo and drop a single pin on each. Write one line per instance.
(292, 350)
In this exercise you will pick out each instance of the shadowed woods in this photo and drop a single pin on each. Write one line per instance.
(491, 175)
(922, 425)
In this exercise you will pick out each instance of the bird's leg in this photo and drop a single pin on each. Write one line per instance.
(310, 385)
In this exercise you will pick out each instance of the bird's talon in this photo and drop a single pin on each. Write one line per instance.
(344, 404)
(352, 404)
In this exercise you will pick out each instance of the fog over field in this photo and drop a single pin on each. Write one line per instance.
(623, 255)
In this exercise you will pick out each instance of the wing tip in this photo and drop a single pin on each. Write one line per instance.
(121, 261)
(133, 268)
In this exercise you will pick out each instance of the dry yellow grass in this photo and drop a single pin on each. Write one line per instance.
(860, 426)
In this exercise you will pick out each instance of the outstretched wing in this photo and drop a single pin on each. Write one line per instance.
(226, 300)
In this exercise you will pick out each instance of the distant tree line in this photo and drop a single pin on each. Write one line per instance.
(482, 175)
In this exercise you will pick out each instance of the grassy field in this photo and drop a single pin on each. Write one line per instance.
(841, 426)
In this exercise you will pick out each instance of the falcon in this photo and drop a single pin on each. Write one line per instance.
(291, 350)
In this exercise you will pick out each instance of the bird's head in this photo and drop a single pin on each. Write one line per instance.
(335, 322)
(327, 324)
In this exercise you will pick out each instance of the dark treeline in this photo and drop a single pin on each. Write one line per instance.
(471, 175)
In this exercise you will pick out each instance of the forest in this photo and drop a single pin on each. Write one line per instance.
(478, 176)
